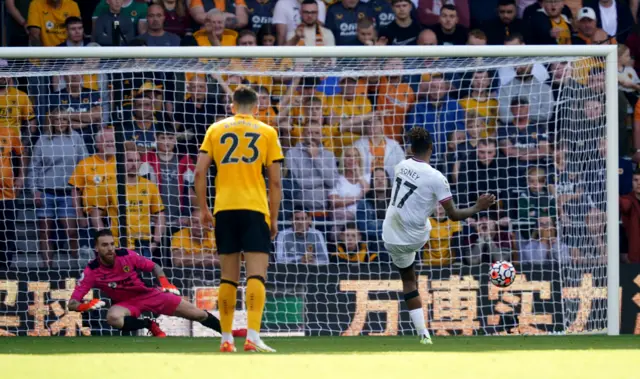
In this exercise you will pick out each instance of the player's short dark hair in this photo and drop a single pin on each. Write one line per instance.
(420, 140)
(244, 96)
(450, 7)
(72, 21)
(102, 233)
(502, 3)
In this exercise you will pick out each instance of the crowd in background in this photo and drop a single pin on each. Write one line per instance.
(533, 134)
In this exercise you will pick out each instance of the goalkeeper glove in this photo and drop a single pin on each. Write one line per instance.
(168, 287)
(90, 306)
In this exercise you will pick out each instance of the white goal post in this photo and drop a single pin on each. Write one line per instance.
(607, 53)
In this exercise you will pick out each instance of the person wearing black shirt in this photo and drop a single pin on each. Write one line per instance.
(507, 23)
(404, 30)
(448, 31)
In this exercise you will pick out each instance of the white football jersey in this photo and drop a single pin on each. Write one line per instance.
(417, 189)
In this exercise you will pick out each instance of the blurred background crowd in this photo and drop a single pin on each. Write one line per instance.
(533, 134)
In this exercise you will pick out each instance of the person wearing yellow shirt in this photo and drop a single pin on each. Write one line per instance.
(549, 26)
(247, 38)
(235, 11)
(481, 100)
(194, 246)
(266, 113)
(214, 32)
(46, 21)
(16, 109)
(438, 251)
(394, 99)
(350, 111)
(144, 208)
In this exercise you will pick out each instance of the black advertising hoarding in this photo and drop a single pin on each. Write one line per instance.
(357, 299)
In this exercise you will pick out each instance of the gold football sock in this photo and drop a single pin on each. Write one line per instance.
(227, 304)
(256, 295)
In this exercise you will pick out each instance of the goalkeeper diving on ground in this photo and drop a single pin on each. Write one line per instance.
(115, 273)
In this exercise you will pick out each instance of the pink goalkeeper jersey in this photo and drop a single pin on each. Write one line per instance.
(119, 282)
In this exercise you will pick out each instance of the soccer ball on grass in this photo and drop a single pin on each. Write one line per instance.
(502, 274)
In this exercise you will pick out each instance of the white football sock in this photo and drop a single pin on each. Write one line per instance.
(417, 316)
(227, 337)
(253, 335)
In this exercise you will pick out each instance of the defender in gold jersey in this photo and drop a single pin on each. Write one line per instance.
(241, 147)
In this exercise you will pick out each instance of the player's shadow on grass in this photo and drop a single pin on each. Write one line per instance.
(312, 345)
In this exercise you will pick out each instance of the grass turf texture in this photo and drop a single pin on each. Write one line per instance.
(517, 357)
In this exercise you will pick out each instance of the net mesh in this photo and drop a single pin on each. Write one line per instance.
(529, 129)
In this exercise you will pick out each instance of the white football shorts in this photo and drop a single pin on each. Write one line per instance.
(403, 256)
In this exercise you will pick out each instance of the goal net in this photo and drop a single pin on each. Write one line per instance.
(530, 130)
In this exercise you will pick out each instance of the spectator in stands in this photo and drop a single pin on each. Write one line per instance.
(630, 213)
(614, 17)
(312, 168)
(83, 107)
(174, 173)
(427, 37)
(194, 246)
(372, 209)
(484, 171)
(443, 245)
(394, 99)
(301, 243)
(535, 201)
(266, 112)
(259, 66)
(403, 30)
(448, 30)
(384, 14)
(16, 26)
(103, 25)
(628, 80)
(455, 154)
(481, 98)
(176, 17)
(145, 210)
(437, 113)
(46, 21)
(527, 81)
(587, 26)
(536, 6)
(430, 11)
(310, 31)
(633, 43)
(544, 245)
(136, 11)
(286, 17)
(486, 243)
(343, 17)
(11, 182)
(96, 170)
(141, 127)
(475, 129)
(351, 186)
(156, 35)
(593, 250)
(213, 33)
(365, 33)
(476, 37)
(267, 35)
(75, 33)
(549, 26)
(350, 111)
(351, 248)
(199, 110)
(16, 111)
(523, 140)
(260, 14)
(507, 23)
(54, 157)
(379, 151)
(235, 13)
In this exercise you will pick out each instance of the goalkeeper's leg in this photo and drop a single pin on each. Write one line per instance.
(190, 312)
(126, 319)
(414, 302)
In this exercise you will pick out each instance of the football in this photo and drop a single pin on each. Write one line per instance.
(502, 274)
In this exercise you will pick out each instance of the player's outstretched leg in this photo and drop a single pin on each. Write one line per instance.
(257, 264)
(120, 318)
(227, 294)
(414, 303)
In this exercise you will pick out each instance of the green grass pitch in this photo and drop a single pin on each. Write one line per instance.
(514, 357)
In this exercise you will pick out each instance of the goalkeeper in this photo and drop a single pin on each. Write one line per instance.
(114, 272)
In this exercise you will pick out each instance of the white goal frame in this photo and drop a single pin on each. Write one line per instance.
(611, 74)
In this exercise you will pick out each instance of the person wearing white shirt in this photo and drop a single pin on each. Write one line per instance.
(367, 145)
(352, 185)
(310, 31)
(286, 17)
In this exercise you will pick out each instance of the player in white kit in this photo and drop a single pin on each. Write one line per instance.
(417, 189)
